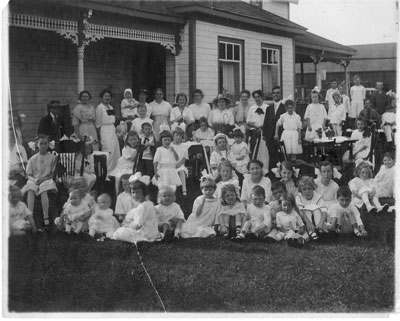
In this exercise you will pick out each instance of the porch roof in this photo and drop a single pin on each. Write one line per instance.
(309, 44)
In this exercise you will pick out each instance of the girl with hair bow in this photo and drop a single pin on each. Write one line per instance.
(140, 223)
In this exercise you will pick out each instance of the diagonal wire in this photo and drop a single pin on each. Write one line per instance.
(148, 276)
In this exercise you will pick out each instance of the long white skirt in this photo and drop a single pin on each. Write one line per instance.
(291, 141)
(110, 144)
(263, 155)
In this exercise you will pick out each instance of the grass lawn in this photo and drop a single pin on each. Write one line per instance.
(61, 273)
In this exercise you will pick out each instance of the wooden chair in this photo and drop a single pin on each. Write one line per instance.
(283, 156)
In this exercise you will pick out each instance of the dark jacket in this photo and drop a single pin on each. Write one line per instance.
(270, 121)
(55, 131)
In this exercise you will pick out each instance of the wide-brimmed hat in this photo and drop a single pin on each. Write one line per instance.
(221, 96)
(143, 91)
(54, 104)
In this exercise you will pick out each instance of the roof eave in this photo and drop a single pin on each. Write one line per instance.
(126, 11)
(195, 8)
(325, 48)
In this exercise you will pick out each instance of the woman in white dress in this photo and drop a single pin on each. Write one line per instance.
(84, 117)
(241, 110)
(160, 112)
(105, 119)
(221, 118)
(255, 123)
(181, 115)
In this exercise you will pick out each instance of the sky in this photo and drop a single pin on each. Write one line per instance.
(349, 22)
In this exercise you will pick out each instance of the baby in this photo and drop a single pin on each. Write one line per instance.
(103, 221)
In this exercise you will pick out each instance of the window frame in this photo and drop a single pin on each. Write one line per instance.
(266, 46)
(232, 41)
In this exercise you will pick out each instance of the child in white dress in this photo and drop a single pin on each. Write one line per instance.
(239, 153)
(40, 172)
(362, 146)
(103, 221)
(200, 222)
(225, 176)
(182, 151)
(385, 179)
(220, 153)
(337, 114)
(364, 187)
(357, 95)
(289, 223)
(259, 220)
(343, 216)
(143, 118)
(125, 200)
(231, 207)
(74, 213)
(254, 178)
(204, 132)
(315, 116)
(165, 162)
(21, 218)
(128, 105)
(127, 160)
(326, 186)
(170, 215)
(312, 208)
(389, 123)
(291, 135)
(140, 223)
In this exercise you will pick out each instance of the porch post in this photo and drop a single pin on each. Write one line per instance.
(302, 74)
(177, 89)
(81, 75)
(316, 60)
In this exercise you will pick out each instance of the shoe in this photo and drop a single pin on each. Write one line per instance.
(357, 232)
(268, 239)
(239, 238)
(300, 242)
(184, 193)
(225, 235)
(176, 238)
(314, 236)
(372, 210)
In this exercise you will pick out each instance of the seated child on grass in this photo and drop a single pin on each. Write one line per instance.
(21, 218)
(287, 173)
(140, 223)
(170, 215)
(289, 224)
(312, 208)
(74, 214)
(200, 222)
(182, 151)
(254, 178)
(343, 216)
(278, 190)
(40, 172)
(258, 221)
(326, 186)
(231, 207)
(363, 188)
(102, 220)
(385, 179)
(125, 200)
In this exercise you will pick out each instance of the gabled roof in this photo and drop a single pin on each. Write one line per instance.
(313, 41)
(239, 11)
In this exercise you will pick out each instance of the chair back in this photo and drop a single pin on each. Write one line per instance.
(282, 151)
(374, 141)
(100, 167)
(66, 165)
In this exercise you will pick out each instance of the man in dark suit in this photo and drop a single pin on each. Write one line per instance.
(273, 112)
(53, 125)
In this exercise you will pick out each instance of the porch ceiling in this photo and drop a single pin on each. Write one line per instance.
(310, 44)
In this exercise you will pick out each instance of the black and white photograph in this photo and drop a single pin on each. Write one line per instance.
(196, 158)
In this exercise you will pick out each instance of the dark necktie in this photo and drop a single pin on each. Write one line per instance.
(259, 111)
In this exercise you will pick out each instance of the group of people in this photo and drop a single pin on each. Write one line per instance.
(238, 198)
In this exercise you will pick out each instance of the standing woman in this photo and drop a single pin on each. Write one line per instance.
(181, 115)
(160, 111)
(105, 119)
(143, 95)
(255, 122)
(241, 110)
(199, 108)
(221, 118)
(84, 117)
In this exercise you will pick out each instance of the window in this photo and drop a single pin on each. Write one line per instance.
(270, 69)
(230, 53)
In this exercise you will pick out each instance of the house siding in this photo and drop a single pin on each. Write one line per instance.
(170, 76)
(207, 57)
(183, 61)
